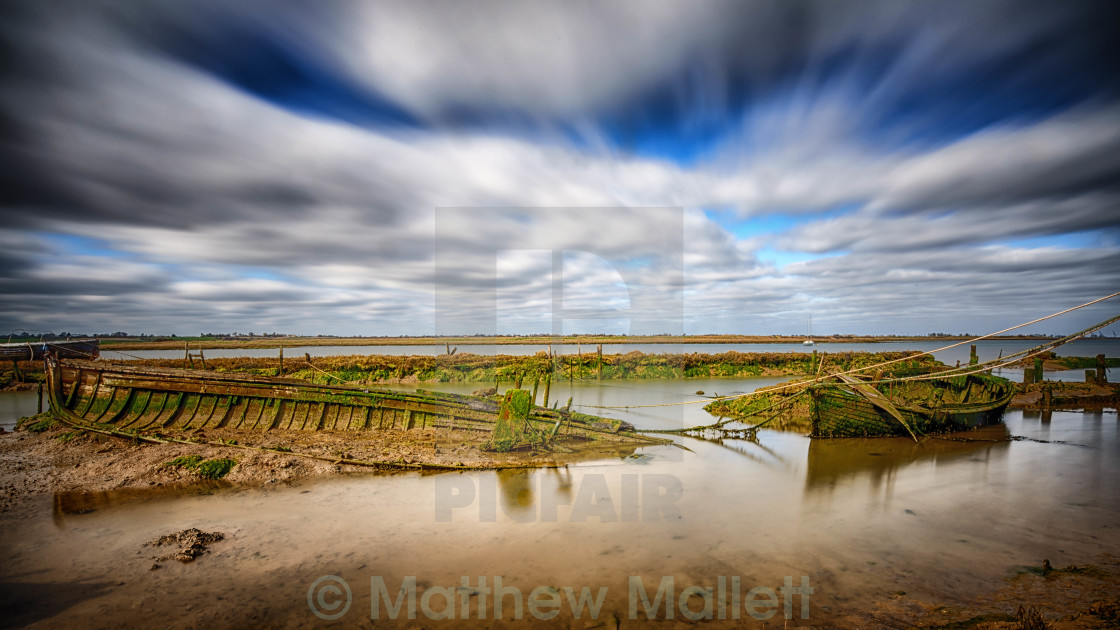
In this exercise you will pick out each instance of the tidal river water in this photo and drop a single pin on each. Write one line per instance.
(855, 520)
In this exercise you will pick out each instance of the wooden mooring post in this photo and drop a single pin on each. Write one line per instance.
(973, 358)
(280, 370)
(15, 368)
(547, 387)
(190, 357)
(599, 351)
(40, 388)
(1038, 369)
(1102, 369)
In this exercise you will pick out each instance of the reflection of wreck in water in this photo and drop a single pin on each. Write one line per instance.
(832, 463)
(746, 445)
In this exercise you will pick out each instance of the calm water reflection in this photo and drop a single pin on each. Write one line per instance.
(15, 405)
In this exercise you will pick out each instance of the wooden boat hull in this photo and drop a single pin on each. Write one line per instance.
(932, 406)
(33, 350)
(142, 399)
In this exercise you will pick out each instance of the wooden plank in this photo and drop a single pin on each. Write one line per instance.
(136, 409)
(117, 400)
(153, 412)
(875, 398)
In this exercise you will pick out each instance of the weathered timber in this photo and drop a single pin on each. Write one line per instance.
(33, 350)
(136, 398)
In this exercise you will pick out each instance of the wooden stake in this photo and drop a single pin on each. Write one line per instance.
(599, 351)
(280, 370)
(40, 388)
(547, 386)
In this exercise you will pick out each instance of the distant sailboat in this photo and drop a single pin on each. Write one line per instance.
(809, 341)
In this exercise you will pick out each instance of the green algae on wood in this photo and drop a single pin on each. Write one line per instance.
(137, 401)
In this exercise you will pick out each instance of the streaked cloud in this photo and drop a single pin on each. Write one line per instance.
(283, 165)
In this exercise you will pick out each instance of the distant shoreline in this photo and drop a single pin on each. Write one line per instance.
(531, 340)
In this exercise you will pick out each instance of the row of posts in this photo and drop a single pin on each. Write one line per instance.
(189, 357)
(1098, 376)
(548, 376)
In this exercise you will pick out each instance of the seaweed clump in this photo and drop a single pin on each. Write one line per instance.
(205, 468)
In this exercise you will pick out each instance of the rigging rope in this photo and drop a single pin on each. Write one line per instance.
(1047, 346)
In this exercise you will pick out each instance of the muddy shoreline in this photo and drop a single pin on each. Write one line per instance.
(1067, 598)
(59, 460)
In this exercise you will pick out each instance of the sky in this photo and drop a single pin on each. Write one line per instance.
(352, 167)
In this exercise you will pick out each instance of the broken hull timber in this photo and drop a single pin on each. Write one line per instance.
(33, 350)
(147, 400)
(955, 403)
